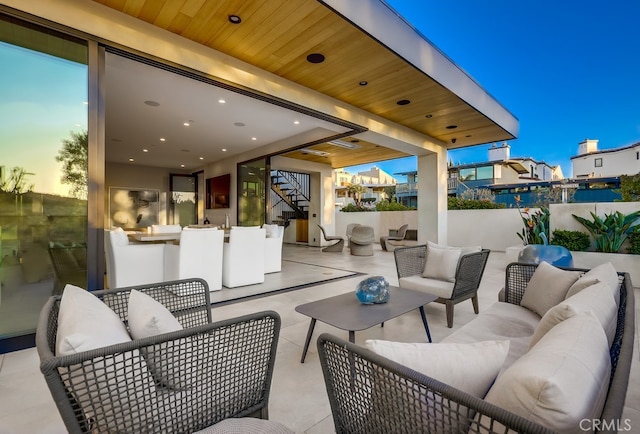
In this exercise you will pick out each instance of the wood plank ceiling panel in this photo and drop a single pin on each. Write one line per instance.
(277, 36)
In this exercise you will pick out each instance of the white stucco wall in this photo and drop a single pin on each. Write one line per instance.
(614, 163)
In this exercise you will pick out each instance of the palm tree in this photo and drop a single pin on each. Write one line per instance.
(356, 190)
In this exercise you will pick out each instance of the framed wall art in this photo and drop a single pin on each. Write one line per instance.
(133, 208)
(218, 190)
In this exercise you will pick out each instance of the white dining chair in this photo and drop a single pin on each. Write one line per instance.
(131, 264)
(243, 257)
(273, 248)
(199, 254)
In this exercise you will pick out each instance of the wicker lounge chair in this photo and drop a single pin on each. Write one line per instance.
(227, 366)
(410, 261)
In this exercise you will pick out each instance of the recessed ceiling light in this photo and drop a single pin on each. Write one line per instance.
(152, 103)
(224, 149)
(296, 122)
(363, 83)
(221, 101)
(403, 102)
(254, 138)
(182, 165)
(429, 116)
(452, 127)
(468, 135)
(186, 124)
(162, 139)
(145, 150)
(315, 58)
(234, 19)
(239, 124)
(202, 158)
(355, 141)
(131, 159)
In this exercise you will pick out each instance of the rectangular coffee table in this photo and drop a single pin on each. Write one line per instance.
(347, 313)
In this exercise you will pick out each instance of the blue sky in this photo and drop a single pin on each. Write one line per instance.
(567, 70)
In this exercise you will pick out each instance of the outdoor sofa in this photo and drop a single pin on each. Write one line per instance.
(202, 375)
(565, 371)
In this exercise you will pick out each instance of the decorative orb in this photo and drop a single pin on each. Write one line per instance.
(373, 290)
(555, 255)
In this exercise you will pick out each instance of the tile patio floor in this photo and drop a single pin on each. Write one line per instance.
(298, 395)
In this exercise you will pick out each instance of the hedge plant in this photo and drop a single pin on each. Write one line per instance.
(459, 203)
(573, 240)
(634, 242)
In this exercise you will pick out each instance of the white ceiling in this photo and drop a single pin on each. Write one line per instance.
(132, 125)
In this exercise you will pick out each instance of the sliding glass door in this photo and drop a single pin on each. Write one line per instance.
(252, 192)
(43, 171)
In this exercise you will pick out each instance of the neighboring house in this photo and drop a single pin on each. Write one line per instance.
(407, 192)
(375, 180)
(590, 162)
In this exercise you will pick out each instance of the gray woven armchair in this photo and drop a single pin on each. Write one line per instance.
(219, 370)
(410, 261)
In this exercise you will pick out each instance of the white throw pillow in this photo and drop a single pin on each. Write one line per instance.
(596, 299)
(115, 385)
(470, 249)
(562, 380)
(148, 317)
(441, 262)
(471, 368)
(86, 323)
(548, 287)
(602, 273)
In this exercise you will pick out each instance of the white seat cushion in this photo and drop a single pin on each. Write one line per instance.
(246, 425)
(500, 321)
(562, 380)
(440, 288)
(482, 361)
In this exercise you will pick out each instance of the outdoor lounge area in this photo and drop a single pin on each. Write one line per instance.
(26, 404)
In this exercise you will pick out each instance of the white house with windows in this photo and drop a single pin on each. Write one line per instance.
(374, 180)
(535, 170)
(591, 162)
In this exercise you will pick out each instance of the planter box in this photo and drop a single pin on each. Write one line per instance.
(621, 262)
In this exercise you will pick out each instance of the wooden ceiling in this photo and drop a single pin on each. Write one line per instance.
(278, 35)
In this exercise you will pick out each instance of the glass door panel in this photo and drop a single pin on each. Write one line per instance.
(43, 172)
(251, 188)
(183, 199)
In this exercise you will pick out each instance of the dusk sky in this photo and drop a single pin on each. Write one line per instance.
(567, 70)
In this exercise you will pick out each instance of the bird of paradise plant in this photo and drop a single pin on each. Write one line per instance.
(536, 225)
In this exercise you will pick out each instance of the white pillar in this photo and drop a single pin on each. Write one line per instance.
(432, 197)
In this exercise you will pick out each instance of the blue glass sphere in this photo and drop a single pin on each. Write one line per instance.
(554, 255)
(373, 290)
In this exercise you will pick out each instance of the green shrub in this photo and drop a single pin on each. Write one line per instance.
(572, 240)
(392, 206)
(355, 208)
(634, 242)
(460, 203)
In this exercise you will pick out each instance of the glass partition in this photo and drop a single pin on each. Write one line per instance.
(251, 192)
(43, 171)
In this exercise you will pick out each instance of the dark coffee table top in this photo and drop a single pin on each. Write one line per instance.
(347, 313)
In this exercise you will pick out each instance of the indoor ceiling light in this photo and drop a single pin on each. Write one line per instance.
(344, 144)
(314, 152)
(224, 149)
(162, 139)
(221, 101)
(145, 150)
(186, 124)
